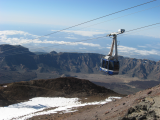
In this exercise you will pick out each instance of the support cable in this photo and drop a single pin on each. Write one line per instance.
(81, 40)
(120, 17)
(102, 17)
(96, 19)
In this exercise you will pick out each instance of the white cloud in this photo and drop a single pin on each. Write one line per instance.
(67, 43)
(20, 39)
(71, 38)
(15, 41)
(14, 32)
(4, 37)
(108, 47)
(153, 46)
(84, 33)
(134, 51)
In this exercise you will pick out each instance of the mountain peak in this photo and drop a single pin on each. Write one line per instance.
(53, 52)
(6, 49)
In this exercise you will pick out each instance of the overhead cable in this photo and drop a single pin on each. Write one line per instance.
(102, 17)
(81, 40)
(120, 17)
(140, 30)
(96, 19)
(142, 27)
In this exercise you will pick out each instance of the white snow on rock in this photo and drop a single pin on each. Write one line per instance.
(4, 85)
(35, 107)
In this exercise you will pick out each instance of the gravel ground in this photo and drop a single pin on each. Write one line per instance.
(142, 105)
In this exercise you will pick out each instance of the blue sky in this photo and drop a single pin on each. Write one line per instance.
(24, 20)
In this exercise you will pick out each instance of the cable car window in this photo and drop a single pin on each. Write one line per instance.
(116, 65)
(106, 65)
(111, 65)
(103, 63)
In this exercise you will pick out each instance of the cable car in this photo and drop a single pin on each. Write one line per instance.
(110, 64)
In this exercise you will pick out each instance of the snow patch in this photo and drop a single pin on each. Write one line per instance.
(39, 105)
(4, 85)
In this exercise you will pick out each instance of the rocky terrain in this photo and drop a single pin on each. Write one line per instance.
(144, 105)
(145, 69)
(17, 63)
(60, 87)
(20, 59)
(18, 66)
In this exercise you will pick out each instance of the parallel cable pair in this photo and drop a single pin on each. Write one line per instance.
(95, 24)
(104, 21)
(97, 18)
(79, 41)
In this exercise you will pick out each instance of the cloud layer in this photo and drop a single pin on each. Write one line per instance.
(68, 38)
(84, 33)
(21, 37)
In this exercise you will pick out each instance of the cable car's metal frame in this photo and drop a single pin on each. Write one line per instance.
(109, 59)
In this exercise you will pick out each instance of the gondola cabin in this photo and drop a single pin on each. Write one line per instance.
(111, 67)
(109, 63)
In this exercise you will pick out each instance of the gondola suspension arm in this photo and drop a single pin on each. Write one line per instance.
(114, 42)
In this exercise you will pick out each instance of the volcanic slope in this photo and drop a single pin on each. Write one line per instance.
(144, 105)
(59, 87)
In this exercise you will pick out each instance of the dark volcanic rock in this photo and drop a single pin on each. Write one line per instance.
(42, 69)
(145, 110)
(72, 62)
(7, 50)
(13, 76)
(18, 58)
(60, 87)
(140, 68)
(16, 55)
(53, 52)
(3, 101)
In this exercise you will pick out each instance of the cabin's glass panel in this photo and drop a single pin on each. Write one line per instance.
(111, 65)
(116, 65)
(106, 65)
(103, 63)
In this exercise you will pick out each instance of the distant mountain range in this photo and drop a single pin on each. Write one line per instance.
(17, 62)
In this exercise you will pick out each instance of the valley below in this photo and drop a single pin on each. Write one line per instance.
(119, 83)
(28, 76)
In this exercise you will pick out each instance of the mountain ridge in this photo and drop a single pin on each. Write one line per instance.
(59, 87)
(72, 62)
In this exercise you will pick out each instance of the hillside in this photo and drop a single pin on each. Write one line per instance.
(20, 59)
(17, 72)
(145, 69)
(139, 106)
(20, 64)
(59, 87)
(144, 105)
